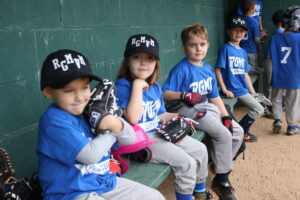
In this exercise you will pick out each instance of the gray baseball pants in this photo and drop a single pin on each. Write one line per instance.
(125, 190)
(224, 144)
(256, 109)
(188, 159)
(291, 101)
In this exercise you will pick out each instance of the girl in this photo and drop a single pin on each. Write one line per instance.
(140, 96)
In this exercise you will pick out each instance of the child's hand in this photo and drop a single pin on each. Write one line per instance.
(141, 83)
(228, 94)
(111, 122)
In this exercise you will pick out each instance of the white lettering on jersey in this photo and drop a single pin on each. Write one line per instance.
(97, 168)
(151, 109)
(202, 87)
(237, 65)
(284, 59)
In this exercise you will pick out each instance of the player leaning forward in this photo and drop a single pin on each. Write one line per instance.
(74, 163)
(285, 54)
(193, 77)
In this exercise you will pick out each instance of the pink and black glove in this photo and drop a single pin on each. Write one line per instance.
(227, 122)
(192, 98)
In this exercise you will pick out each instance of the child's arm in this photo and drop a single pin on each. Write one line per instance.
(170, 95)
(249, 82)
(219, 103)
(166, 116)
(134, 111)
(228, 93)
(122, 133)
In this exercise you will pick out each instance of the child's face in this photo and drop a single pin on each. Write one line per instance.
(236, 34)
(142, 65)
(73, 97)
(196, 49)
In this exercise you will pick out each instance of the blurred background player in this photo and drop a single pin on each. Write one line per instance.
(277, 18)
(285, 55)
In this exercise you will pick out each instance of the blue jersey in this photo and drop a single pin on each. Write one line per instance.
(248, 42)
(268, 52)
(153, 103)
(234, 63)
(61, 137)
(257, 13)
(188, 77)
(285, 53)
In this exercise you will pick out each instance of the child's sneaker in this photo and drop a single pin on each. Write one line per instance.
(293, 130)
(277, 126)
(223, 190)
(248, 137)
(202, 196)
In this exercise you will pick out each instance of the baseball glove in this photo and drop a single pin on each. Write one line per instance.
(101, 104)
(262, 99)
(177, 128)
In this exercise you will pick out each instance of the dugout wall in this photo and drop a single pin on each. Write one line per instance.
(31, 29)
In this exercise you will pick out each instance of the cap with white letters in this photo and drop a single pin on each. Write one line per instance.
(63, 66)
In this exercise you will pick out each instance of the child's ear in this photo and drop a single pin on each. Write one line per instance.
(47, 92)
(183, 49)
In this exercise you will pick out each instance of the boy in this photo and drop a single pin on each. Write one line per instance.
(232, 75)
(257, 14)
(192, 78)
(73, 162)
(251, 42)
(285, 55)
(277, 21)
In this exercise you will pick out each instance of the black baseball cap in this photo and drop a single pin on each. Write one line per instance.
(63, 66)
(142, 43)
(237, 21)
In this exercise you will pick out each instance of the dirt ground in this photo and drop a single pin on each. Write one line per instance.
(270, 171)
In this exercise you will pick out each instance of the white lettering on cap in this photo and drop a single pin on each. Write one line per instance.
(69, 60)
(137, 43)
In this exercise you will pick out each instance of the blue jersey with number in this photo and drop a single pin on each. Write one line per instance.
(61, 137)
(234, 63)
(248, 42)
(257, 13)
(187, 77)
(268, 52)
(285, 53)
(153, 103)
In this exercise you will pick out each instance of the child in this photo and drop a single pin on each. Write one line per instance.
(285, 55)
(277, 21)
(251, 42)
(192, 77)
(140, 96)
(232, 75)
(257, 14)
(74, 163)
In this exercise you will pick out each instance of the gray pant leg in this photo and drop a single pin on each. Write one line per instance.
(268, 71)
(124, 190)
(252, 59)
(225, 145)
(256, 109)
(188, 160)
(277, 102)
(292, 102)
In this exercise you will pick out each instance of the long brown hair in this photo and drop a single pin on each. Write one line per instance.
(124, 72)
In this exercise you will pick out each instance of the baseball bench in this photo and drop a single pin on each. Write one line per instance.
(153, 175)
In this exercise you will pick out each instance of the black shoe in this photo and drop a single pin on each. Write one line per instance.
(248, 137)
(202, 196)
(223, 190)
(277, 126)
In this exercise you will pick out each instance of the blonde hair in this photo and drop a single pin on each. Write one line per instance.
(193, 30)
(124, 72)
